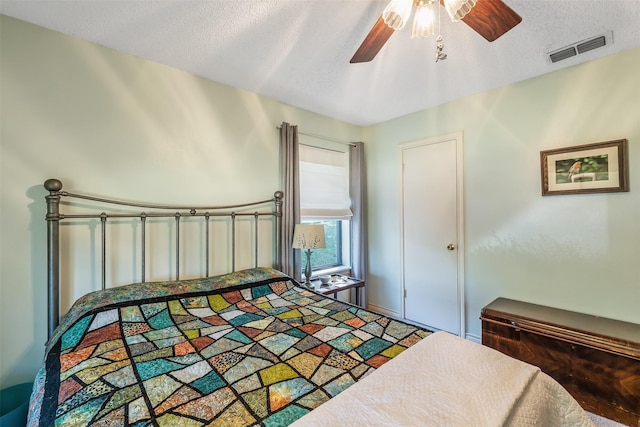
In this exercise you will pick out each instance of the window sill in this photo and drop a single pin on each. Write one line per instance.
(341, 269)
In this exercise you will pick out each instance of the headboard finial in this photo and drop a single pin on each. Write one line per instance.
(53, 184)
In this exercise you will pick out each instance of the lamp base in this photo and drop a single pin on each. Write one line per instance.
(307, 271)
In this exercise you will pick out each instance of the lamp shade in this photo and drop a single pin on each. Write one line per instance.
(424, 20)
(397, 13)
(457, 9)
(308, 236)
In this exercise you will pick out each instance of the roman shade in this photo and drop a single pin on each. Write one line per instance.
(324, 176)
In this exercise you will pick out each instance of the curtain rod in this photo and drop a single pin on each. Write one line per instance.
(324, 137)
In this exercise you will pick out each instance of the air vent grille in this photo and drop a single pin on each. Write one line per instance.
(580, 47)
(562, 54)
(591, 44)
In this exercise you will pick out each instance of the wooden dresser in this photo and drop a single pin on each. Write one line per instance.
(596, 359)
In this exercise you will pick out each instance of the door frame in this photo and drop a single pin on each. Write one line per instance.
(458, 137)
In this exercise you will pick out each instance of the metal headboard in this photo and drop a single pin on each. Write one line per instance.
(55, 217)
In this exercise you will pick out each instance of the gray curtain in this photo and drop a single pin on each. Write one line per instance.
(290, 258)
(358, 192)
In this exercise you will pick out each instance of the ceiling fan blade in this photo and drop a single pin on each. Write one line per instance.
(374, 41)
(491, 18)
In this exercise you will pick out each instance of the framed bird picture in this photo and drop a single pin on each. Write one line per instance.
(591, 168)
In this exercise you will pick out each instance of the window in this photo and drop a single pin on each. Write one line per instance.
(336, 253)
(324, 199)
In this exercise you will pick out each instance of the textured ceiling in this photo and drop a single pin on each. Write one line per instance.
(298, 51)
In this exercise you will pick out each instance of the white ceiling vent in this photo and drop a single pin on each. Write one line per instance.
(580, 47)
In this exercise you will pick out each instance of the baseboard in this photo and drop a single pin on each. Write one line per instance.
(473, 338)
(383, 310)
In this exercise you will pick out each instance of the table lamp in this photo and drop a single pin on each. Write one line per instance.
(308, 236)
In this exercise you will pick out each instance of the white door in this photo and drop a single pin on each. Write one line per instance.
(432, 233)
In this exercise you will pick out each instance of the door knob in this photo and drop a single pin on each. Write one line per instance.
(451, 246)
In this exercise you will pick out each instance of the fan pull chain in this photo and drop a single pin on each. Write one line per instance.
(440, 55)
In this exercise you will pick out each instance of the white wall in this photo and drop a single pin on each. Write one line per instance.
(112, 124)
(576, 252)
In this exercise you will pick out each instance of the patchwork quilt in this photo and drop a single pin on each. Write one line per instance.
(249, 348)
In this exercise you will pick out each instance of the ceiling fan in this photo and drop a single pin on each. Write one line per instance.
(489, 18)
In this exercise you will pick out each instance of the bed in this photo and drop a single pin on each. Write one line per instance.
(254, 347)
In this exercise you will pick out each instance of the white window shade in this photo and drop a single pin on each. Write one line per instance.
(324, 184)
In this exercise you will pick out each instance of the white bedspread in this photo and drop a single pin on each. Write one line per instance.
(445, 380)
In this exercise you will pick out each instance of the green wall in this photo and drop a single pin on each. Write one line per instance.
(113, 124)
(576, 252)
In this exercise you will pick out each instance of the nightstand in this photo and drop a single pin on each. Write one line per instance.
(340, 283)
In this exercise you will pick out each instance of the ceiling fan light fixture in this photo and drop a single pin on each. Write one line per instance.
(397, 13)
(457, 9)
(424, 19)
(489, 18)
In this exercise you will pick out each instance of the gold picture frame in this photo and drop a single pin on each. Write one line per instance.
(591, 168)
